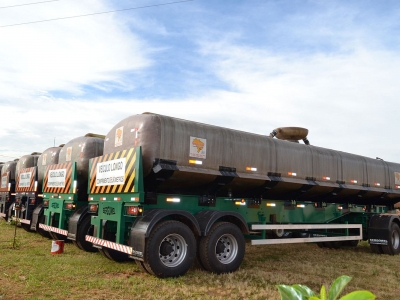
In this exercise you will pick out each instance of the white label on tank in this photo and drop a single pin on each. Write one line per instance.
(56, 178)
(111, 172)
(44, 159)
(198, 147)
(119, 136)
(4, 181)
(24, 179)
(396, 178)
(69, 154)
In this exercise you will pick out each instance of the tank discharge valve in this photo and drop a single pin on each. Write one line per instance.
(291, 134)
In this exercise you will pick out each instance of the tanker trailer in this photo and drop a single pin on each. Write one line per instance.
(164, 183)
(30, 172)
(26, 184)
(7, 188)
(65, 196)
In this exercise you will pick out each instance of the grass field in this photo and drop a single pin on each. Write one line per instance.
(31, 272)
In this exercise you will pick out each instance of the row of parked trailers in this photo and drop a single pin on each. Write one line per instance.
(164, 192)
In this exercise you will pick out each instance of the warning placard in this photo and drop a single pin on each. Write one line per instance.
(4, 180)
(396, 178)
(24, 179)
(56, 178)
(111, 172)
(198, 147)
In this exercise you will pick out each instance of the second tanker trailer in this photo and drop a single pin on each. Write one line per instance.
(166, 189)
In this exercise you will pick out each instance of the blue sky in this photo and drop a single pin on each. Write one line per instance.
(330, 66)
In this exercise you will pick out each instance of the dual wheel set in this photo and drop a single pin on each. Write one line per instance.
(172, 248)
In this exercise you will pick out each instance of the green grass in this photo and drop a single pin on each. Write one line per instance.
(31, 272)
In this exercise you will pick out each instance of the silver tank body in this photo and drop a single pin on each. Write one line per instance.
(325, 170)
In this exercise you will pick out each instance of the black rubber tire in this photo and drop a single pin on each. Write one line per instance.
(393, 247)
(353, 243)
(57, 236)
(141, 266)
(179, 246)
(376, 248)
(112, 254)
(85, 228)
(281, 234)
(41, 231)
(225, 237)
(301, 235)
(26, 227)
(321, 244)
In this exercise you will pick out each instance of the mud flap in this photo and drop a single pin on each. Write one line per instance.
(75, 220)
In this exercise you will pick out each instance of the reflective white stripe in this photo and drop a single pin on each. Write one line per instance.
(2, 215)
(25, 221)
(53, 229)
(108, 244)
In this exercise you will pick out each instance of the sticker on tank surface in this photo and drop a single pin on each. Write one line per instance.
(69, 154)
(396, 178)
(119, 135)
(198, 147)
(4, 180)
(44, 159)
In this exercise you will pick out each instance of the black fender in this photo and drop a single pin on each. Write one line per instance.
(143, 226)
(37, 212)
(207, 218)
(379, 226)
(75, 220)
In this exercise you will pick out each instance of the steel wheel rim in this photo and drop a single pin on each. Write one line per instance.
(177, 250)
(279, 232)
(395, 239)
(226, 249)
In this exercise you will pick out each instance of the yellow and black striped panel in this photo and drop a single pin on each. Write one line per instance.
(4, 182)
(31, 187)
(130, 173)
(68, 179)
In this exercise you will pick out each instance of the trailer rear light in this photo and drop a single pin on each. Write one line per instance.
(35, 188)
(377, 184)
(242, 202)
(251, 169)
(90, 198)
(135, 199)
(32, 201)
(103, 198)
(13, 194)
(115, 199)
(132, 210)
(326, 178)
(74, 187)
(195, 162)
(292, 174)
(9, 186)
(271, 204)
(93, 208)
(175, 200)
(340, 207)
(70, 198)
(60, 197)
(41, 195)
(46, 203)
(353, 181)
(397, 186)
(300, 205)
(69, 205)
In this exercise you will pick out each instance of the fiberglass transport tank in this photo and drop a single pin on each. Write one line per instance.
(65, 190)
(26, 185)
(7, 188)
(190, 158)
(47, 158)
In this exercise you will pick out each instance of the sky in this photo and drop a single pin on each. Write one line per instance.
(330, 66)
